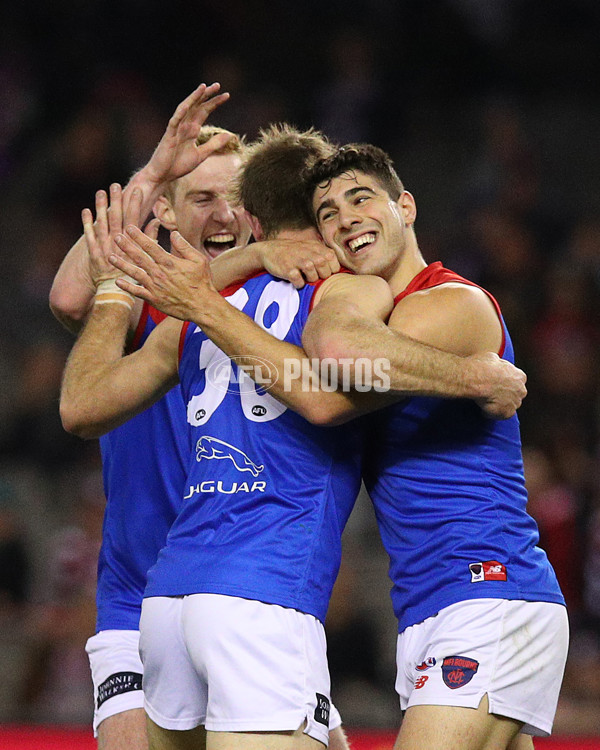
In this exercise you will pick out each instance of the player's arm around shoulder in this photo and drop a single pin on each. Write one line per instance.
(102, 387)
(347, 310)
(462, 320)
(453, 317)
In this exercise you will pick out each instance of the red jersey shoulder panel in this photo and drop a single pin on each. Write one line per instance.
(435, 275)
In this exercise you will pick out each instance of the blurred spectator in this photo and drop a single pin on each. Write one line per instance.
(33, 431)
(556, 509)
(15, 566)
(57, 686)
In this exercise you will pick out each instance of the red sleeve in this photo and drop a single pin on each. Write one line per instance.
(184, 329)
(317, 284)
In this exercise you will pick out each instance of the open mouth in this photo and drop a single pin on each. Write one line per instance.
(356, 244)
(218, 243)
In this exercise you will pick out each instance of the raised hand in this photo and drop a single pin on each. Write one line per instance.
(177, 153)
(100, 234)
(174, 282)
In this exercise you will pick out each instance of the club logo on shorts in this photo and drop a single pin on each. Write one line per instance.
(322, 709)
(427, 664)
(491, 570)
(458, 670)
(120, 682)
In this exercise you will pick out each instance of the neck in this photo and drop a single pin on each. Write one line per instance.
(308, 234)
(411, 264)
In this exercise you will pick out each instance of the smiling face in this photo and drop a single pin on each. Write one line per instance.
(198, 208)
(368, 230)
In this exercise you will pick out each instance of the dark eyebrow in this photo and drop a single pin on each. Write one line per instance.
(329, 203)
(326, 204)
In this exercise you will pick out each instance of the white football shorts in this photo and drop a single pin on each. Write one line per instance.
(513, 651)
(234, 665)
(116, 673)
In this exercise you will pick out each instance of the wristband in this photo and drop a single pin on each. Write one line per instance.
(107, 292)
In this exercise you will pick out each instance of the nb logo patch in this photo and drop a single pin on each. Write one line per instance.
(490, 570)
(120, 682)
(458, 670)
(322, 709)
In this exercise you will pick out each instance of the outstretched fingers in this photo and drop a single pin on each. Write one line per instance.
(142, 249)
(87, 219)
(101, 223)
(115, 212)
(132, 209)
(183, 107)
(181, 248)
(151, 229)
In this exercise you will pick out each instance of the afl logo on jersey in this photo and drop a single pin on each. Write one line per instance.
(239, 374)
(259, 411)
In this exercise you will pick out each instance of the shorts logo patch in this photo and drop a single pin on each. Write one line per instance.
(491, 570)
(120, 682)
(322, 709)
(426, 664)
(420, 681)
(458, 670)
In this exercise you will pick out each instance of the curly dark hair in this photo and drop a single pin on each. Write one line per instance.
(359, 157)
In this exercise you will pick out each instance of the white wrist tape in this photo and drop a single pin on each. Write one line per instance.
(108, 292)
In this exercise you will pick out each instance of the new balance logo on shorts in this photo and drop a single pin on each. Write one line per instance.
(322, 709)
(458, 670)
(426, 664)
(491, 570)
(120, 682)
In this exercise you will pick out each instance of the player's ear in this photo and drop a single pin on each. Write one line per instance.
(163, 210)
(408, 207)
(257, 231)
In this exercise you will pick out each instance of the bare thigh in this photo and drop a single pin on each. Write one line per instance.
(297, 740)
(172, 739)
(339, 741)
(125, 729)
(456, 728)
(522, 742)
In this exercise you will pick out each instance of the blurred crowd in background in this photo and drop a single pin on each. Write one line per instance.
(491, 111)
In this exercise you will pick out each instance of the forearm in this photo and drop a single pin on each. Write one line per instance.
(101, 387)
(289, 377)
(412, 368)
(151, 186)
(235, 265)
(73, 289)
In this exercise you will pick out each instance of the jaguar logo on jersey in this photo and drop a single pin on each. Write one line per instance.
(242, 374)
(458, 670)
(491, 570)
(209, 448)
(426, 664)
